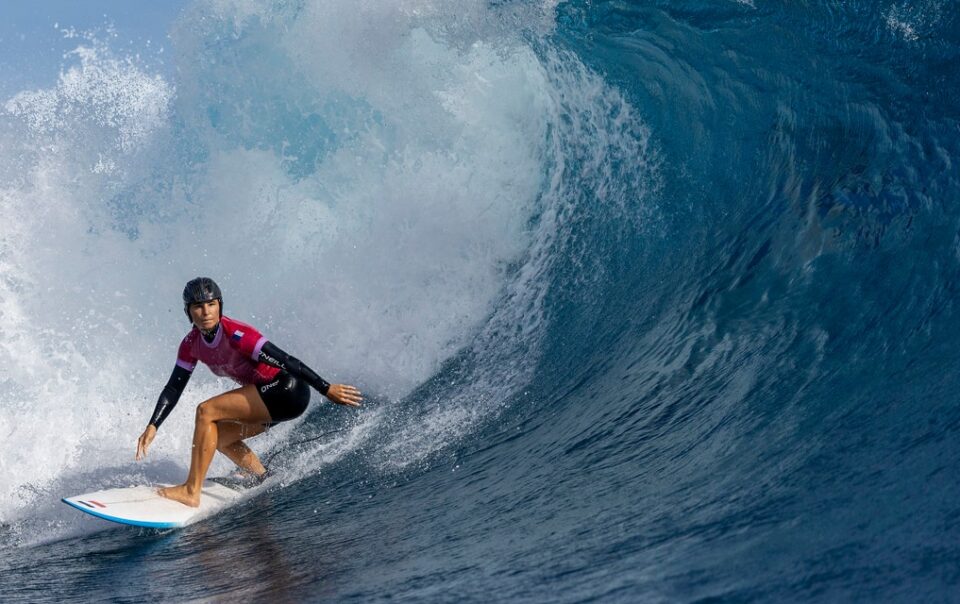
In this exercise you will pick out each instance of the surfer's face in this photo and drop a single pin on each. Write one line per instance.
(205, 315)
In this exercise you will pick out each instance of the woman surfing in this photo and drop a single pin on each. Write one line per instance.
(274, 387)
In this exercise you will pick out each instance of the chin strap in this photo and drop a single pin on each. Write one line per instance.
(210, 334)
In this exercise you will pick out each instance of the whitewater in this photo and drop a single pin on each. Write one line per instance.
(649, 301)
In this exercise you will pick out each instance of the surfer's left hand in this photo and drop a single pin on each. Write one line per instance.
(344, 394)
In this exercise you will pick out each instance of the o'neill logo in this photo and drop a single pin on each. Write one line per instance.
(265, 387)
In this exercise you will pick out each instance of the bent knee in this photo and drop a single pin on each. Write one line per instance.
(205, 412)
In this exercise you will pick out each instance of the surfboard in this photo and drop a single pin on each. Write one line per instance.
(142, 506)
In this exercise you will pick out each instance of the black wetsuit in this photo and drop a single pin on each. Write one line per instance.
(286, 395)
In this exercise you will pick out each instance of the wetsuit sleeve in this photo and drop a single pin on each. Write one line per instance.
(271, 355)
(170, 395)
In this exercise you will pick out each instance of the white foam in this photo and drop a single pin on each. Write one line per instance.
(596, 158)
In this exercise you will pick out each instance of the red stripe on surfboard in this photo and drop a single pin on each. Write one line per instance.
(95, 502)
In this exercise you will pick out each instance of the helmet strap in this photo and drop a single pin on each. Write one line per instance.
(209, 335)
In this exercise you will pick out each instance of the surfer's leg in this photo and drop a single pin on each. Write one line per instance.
(230, 442)
(241, 405)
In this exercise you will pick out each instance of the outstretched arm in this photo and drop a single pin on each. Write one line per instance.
(342, 394)
(165, 404)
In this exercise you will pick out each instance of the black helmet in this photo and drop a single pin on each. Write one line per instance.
(201, 289)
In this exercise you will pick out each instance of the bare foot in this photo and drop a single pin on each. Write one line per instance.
(180, 493)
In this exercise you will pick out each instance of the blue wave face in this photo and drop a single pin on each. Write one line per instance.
(654, 300)
(767, 384)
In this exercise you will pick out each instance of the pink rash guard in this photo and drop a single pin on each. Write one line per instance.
(234, 353)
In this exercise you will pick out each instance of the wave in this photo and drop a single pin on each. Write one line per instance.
(645, 295)
(387, 191)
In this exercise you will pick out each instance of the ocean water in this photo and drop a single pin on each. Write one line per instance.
(652, 301)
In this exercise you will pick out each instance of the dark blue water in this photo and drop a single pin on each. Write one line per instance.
(720, 367)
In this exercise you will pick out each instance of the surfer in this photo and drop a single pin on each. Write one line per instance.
(274, 387)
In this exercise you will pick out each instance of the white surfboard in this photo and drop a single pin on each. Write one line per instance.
(142, 506)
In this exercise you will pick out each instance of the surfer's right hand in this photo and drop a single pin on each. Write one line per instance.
(145, 439)
(344, 394)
